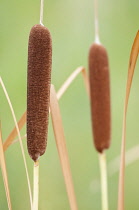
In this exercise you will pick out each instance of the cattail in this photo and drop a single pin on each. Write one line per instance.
(38, 89)
(100, 96)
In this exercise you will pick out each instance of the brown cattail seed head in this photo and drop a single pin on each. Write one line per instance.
(38, 89)
(100, 96)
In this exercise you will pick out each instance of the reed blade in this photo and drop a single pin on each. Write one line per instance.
(4, 172)
(71, 78)
(13, 133)
(19, 136)
(61, 147)
(131, 68)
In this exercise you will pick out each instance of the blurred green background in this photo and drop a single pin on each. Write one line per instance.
(72, 27)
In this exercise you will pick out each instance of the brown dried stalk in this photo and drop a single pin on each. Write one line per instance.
(61, 146)
(13, 133)
(19, 136)
(4, 172)
(131, 68)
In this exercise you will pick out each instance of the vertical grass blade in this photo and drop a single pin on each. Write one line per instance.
(19, 136)
(4, 172)
(61, 146)
(131, 68)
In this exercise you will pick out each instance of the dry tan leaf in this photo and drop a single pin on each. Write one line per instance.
(16, 140)
(71, 78)
(19, 136)
(13, 134)
(4, 172)
(132, 63)
(131, 68)
(61, 146)
(60, 93)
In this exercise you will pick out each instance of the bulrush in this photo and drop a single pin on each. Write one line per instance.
(100, 96)
(38, 89)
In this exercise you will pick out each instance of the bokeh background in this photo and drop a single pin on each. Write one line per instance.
(72, 27)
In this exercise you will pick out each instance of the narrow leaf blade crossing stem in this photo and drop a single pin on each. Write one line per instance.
(104, 185)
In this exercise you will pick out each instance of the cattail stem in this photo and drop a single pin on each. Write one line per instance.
(41, 11)
(36, 186)
(104, 186)
(97, 40)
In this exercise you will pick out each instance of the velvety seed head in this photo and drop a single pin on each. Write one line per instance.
(38, 89)
(100, 96)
